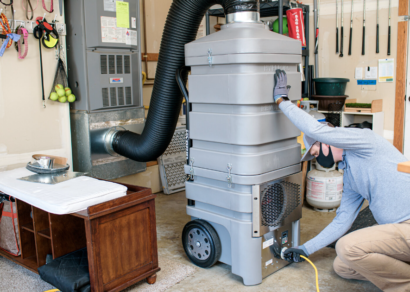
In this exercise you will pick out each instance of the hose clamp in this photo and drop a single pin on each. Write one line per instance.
(245, 16)
(109, 138)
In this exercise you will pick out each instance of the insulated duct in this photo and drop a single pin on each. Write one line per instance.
(181, 27)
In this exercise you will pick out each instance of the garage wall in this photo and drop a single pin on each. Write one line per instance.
(331, 65)
(155, 19)
(25, 126)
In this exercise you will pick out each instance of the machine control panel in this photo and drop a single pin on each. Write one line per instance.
(285, 238)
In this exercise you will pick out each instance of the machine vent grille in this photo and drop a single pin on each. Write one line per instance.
(111, 64)
(278, 201)
(120, 95)
(127, 64)
(113, 96)
(178, 143)
(128, 98)
(119, 64)
(103, 59)
(171, 163)
(105, 99)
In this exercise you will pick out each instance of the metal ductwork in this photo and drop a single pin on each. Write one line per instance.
(181, 28)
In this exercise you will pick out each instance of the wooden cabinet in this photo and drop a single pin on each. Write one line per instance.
(120, 236)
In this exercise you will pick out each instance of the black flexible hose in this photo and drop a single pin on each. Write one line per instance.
(181, 27)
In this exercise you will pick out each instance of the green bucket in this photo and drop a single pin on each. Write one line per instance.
(330, 86)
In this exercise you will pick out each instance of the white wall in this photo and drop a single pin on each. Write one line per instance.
(26, 127)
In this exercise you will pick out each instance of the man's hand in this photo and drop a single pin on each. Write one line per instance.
(281, 88)
(292, 255)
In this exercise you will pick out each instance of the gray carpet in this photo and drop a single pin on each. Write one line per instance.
(16, 278)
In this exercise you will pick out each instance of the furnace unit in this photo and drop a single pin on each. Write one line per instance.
(104, 69)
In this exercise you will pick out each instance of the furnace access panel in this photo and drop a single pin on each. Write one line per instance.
(103, 52)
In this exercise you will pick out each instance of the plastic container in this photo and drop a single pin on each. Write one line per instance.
(330, 103)
(275, 25)
(330, 86)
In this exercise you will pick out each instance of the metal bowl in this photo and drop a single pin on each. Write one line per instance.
(37, 168)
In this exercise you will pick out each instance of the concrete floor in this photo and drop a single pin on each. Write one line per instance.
(296, 277)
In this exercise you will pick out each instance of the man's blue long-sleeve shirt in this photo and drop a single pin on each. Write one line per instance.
(370, 172)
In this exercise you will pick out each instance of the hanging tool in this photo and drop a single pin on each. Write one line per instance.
(341, 34)
(389, 37)
(51, 6)
(351, 30)
(317, 29)
(337, 31)
(20, 30)
(12, 12)
(47, 33)
(4, 24)
(38, 35)
(364, 27)
(377, 28)
(60, 7)
(26, 8)
(8, 34)
(43, 32)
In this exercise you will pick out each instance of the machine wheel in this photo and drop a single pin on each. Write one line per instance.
(201, 243)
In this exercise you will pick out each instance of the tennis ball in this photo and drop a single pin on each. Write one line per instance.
(62, 99)
(54, 96)
(67, 91)
(58, 86)
(61, 92)
(71, 98)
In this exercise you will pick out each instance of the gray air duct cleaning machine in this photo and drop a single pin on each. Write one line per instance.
(243, 162)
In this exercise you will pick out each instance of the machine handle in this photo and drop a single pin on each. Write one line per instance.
(341, 42)
(180, 82)
(363, 40)
(337, 40)
(377, 39)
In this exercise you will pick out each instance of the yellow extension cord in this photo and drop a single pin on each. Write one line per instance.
(313, 265)
(317, 275)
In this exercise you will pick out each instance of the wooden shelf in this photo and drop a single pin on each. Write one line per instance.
(404, 167)
(28, 227)
(45, 233)
(100, 228)
(377, 120)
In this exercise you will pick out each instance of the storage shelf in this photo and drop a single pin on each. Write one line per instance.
(266, 9)
(45, 233)
(28, 227)
(357, 113)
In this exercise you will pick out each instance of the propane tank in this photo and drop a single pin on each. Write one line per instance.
(318, 116)
(324, 188)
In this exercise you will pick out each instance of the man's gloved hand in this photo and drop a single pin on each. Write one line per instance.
(292, 255)
(281, 88)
